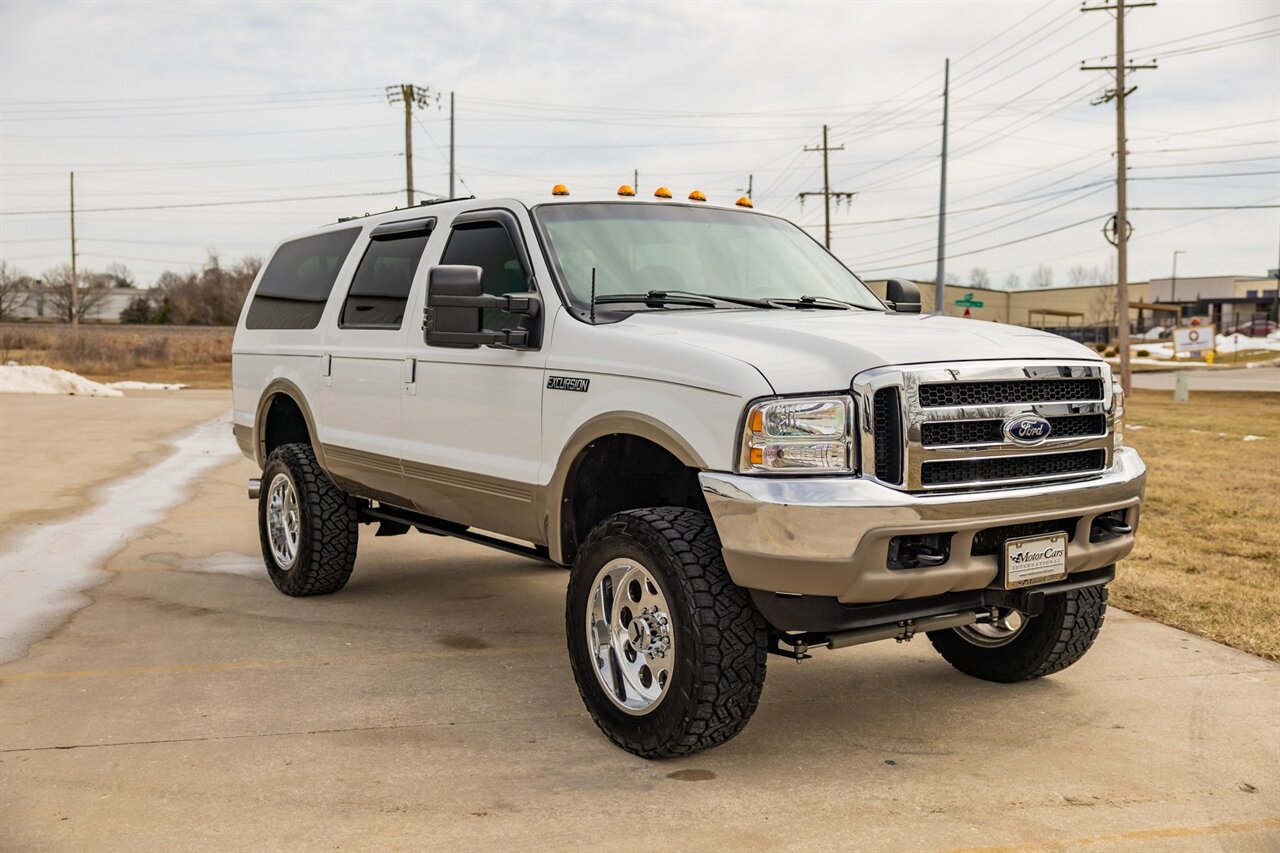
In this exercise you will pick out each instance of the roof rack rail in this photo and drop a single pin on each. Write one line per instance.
(423, 203)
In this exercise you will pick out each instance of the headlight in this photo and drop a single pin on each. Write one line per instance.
(1118, 428)
(808, 435)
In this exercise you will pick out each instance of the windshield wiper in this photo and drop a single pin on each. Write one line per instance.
(659, 298)
(819, 302)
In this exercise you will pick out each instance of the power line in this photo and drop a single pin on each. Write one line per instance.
(185, 98)
(1019, 200)
(1215, 207)
(1193, 177)
(902, 264)
(199, 204)
(1270, 34)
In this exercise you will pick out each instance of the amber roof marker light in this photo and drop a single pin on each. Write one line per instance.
(662, 192)
(744, 202)
(559, 189)
(626, 190)
(697, 195)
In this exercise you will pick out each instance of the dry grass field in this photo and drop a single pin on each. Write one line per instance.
(1208, 553)
(197, 356)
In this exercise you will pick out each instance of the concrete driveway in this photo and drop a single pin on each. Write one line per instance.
(430, 706)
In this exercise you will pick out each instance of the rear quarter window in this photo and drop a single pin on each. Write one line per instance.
(296, 283)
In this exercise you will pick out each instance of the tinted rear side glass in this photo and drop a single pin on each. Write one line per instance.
(297, 281)
(380, 288)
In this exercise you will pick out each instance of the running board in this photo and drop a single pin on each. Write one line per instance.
(440, 527)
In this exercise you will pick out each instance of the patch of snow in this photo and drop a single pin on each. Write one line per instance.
(1240, 343)
(1134, 426)
(1254, 437)
(133, 385)
(35, 379)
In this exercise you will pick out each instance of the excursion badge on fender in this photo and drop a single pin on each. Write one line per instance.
(567, 383)
(1027, 429)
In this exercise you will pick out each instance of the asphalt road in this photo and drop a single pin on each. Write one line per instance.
(1228, 379)
(430, 706)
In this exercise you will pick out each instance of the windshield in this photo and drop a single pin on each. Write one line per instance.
(637, 248)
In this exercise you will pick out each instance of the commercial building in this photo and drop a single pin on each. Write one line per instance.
(1226, 300)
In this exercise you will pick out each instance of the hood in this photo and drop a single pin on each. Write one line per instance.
(800, 351)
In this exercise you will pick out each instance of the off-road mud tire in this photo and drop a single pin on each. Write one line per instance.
(1048, 643)
(329, 525)
(720, 637)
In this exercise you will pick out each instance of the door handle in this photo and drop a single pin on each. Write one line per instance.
(409, 376)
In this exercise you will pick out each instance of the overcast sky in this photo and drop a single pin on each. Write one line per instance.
(162, 104)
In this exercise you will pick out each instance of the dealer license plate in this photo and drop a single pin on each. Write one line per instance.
(1035, 560)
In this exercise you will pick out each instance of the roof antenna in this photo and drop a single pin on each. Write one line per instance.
(593, 296)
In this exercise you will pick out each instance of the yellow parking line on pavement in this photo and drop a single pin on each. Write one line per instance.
(1167, 833)
(225, 666)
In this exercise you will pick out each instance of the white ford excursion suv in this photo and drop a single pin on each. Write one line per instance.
(735, 447)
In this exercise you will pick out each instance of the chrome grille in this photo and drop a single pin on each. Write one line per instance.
(934, 395)
(936, 433)
(1002, 468)
(942, 428)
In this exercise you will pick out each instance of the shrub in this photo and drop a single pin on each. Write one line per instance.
(1111, 352)
(1144, 353)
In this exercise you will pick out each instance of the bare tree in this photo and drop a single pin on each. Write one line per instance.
(1080, 275)
(57, 288)
(1042, 276)
(978, 277)
(1013, 281)
(952, 278)
(14, 290)
(1103, 305)
(212, 297)
(120, 275)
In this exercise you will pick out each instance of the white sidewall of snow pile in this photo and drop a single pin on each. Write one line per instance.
(36, 379)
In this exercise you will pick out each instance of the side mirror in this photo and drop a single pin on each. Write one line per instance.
(455, 308)
(902, 296)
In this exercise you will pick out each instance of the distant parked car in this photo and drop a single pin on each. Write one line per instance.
(1257, 329)
(1156, 333)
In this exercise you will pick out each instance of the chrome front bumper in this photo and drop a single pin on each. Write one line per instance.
(830, 537)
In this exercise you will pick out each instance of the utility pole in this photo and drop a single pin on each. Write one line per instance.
(635, 180)
(940, 279)
(750, 180)
(1173, 284)
(1122, 229)
(826, 192)
(75, 281)
(410, 95)
(451, 148)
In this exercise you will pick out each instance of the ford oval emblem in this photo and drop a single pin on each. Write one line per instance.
(1027, 429)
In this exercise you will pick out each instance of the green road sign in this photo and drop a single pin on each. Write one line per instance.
(968, 302)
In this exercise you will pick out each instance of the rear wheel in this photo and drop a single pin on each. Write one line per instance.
(668, 653)
(1017, 648)
(308, 526)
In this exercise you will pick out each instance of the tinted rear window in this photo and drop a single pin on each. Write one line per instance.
(297, 281)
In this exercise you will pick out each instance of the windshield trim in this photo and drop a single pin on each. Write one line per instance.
(580, 309)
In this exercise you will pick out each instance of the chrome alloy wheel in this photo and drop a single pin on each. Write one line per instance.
(992, 635)
(284, 525)
(630, 636)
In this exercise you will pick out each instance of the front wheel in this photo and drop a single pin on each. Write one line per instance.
(668, 653)
(1017, 648)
